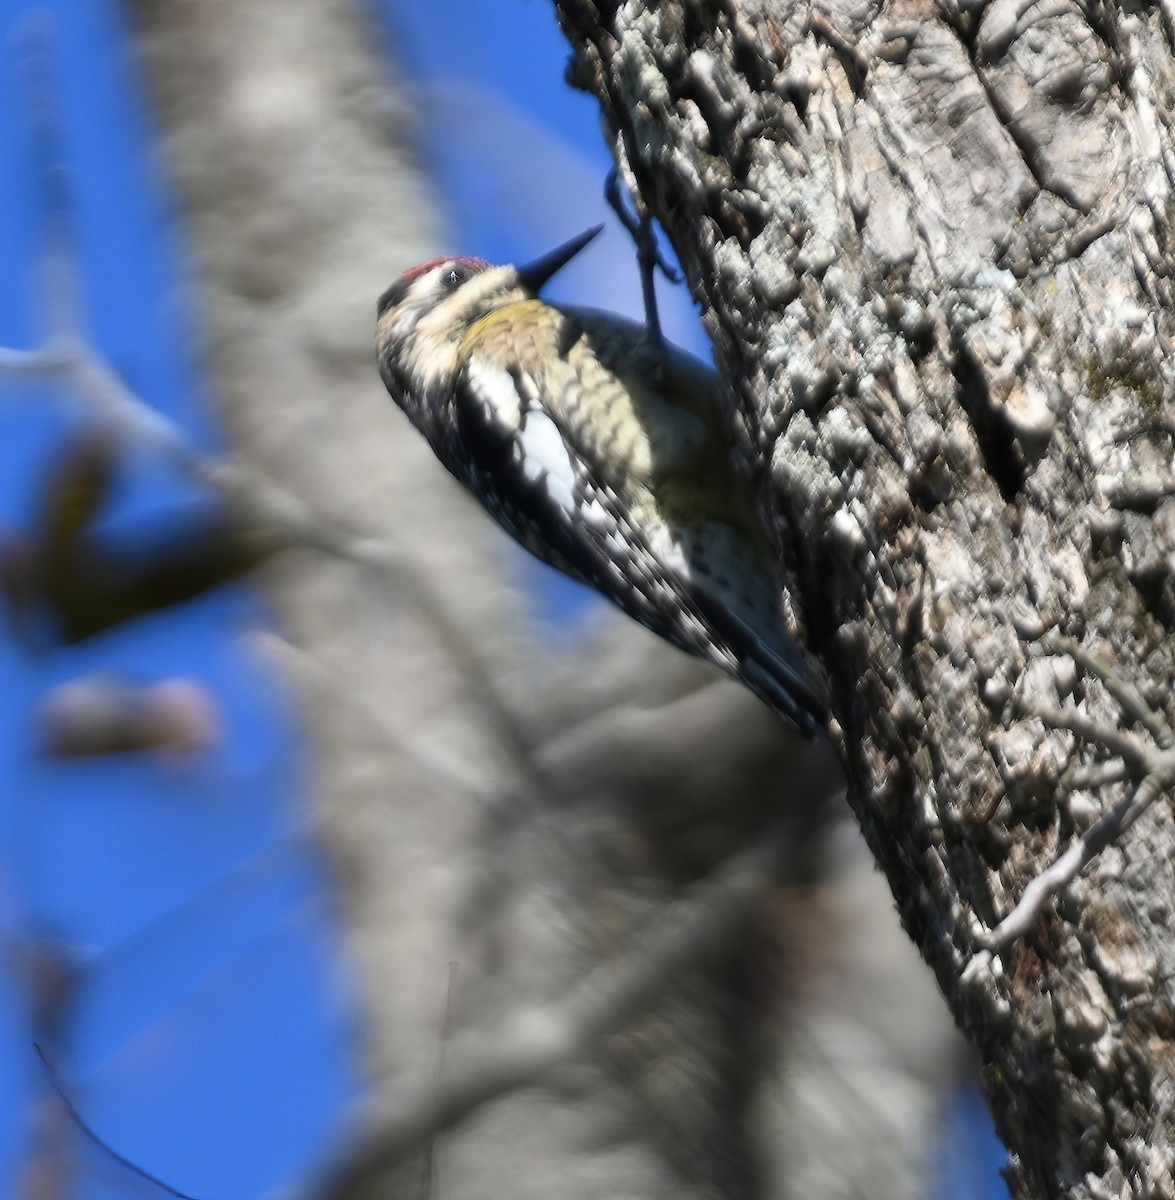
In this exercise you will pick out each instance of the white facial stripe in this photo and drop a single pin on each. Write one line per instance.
(440, 312)
(484, 283)
(426, 286)
(544, 455)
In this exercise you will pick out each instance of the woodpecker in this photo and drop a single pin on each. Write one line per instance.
(601, 449)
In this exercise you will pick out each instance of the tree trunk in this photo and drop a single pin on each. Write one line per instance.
(931, 244)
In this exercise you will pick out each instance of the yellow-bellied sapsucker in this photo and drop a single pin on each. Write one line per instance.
(605, 452)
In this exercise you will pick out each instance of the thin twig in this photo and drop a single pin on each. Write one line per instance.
(1153, 765)
(97, 1139)
(1080, 853)
(1124, 745)
(428, 1166)
(1095, 775)
(1127, 696)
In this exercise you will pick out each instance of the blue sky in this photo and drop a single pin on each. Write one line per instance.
(213, 1010)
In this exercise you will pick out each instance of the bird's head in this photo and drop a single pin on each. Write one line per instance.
(423, 317)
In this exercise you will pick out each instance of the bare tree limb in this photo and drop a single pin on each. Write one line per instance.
(536, 1042)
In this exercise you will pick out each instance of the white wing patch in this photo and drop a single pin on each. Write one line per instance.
(545, 456)
(595, 514)
(667, 549)
(496, 389)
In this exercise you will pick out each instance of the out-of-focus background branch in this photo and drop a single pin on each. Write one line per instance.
(488, 825)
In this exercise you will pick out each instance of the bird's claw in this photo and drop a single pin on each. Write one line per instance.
(641, 230)
(650, 259)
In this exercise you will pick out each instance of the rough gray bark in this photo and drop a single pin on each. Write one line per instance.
(932, 245)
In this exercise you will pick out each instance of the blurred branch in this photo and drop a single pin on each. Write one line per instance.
(68, 357)
(437, 763)
(267, 505)
(533, 1043)
(103, 714)
(68, 581)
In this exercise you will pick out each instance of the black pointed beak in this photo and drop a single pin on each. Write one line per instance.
(535, 275)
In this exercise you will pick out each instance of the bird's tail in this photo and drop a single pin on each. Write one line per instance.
(782, 688)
